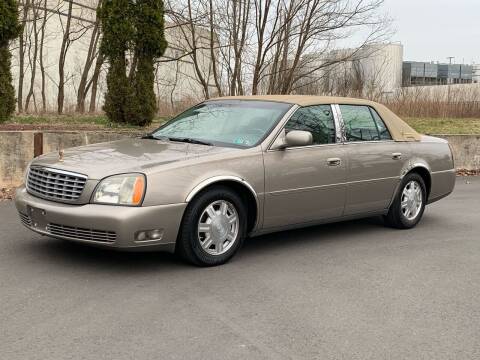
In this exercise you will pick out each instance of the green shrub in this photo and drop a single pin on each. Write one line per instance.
(135, 27)
(9, 30)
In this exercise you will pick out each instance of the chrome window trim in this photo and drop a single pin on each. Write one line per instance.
(344, 135)
(340, 125)
(296, 148)
(284, 122)
(369, 142)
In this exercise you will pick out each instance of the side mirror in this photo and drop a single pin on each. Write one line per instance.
(296, 138)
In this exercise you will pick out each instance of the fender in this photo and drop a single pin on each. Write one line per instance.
(412, 164)
(409, 166)
(216, 179)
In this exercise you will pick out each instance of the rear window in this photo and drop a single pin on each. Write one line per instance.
(362, 123)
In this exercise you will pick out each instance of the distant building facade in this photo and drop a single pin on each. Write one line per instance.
(425, 74)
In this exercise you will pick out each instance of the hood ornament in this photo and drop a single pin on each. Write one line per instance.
(60, 155)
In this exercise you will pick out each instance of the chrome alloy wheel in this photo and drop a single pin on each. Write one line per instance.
(218, 227)
(411, 201)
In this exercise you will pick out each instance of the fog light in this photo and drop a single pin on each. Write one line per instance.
(149, 235)
(141, 236)
(155, 234)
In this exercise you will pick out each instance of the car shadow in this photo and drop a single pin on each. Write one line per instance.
(64, 253)
(318, 234)
(70, 254)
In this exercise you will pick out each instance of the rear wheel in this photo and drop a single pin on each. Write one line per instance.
(409, 204)
(213, 227)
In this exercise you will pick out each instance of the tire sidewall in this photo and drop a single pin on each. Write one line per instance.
(418, 179)
(190, 230)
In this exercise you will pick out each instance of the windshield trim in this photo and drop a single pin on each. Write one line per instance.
(231, 145)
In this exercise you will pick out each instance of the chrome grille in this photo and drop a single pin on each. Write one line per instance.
(81, 233)
(25, 219)
(55, 184)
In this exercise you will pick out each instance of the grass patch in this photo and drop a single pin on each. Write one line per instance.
(93, 122)
(76, 122)
(445, 126)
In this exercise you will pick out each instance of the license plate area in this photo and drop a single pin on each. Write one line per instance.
(38, 217)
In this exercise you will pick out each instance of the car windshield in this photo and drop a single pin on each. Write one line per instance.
(238, 123)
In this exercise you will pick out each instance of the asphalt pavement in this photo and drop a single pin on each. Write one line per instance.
(352, 290)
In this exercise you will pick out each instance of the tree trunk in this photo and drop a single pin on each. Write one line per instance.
(94, 87)
(21, 57)
(34, 61)
(82, 86)
(42, 65)
(61, 61)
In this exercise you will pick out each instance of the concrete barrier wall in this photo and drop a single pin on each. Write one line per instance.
(17, 149)
(466, 150)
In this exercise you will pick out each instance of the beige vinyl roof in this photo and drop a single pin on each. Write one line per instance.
(399, 129)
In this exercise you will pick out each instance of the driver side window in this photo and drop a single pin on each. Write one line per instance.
(318, 120)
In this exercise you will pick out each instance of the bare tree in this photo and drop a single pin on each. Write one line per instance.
(94, 83)
(61, 61)
(25, 5)
(266, 46)
(92, 54)
(33, 58)
(41, 60)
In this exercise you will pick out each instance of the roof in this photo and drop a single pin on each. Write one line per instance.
(301, 100)
(399, 129)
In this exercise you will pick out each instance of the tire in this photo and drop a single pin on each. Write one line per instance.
(209, 236)
(407, 216)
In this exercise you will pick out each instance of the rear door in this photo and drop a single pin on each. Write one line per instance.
(374, 160)
(306, 183)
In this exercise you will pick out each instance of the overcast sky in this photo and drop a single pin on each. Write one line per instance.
(431, 30)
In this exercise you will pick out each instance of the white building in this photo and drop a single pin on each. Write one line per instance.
(176, 81)
(371, 69)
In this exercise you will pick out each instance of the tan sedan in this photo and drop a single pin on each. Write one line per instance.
(235, 167)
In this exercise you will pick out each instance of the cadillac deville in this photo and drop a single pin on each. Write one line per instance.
(234, 167)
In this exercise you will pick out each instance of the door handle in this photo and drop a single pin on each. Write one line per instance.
(334, 161)
(396, 156)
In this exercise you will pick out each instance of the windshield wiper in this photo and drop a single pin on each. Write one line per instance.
(190, 141)
(153, 137)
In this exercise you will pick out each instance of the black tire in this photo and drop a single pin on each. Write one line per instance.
(395, 217)
(188, 243)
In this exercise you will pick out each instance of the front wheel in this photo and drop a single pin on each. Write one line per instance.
(409, 204)
(213, 227)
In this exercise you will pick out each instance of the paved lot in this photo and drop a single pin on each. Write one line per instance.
(353, 290)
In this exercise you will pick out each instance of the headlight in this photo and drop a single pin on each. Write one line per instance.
(126, 189)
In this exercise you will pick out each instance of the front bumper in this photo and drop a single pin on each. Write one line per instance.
(101, 225)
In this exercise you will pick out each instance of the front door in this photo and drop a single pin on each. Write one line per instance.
(304, 184)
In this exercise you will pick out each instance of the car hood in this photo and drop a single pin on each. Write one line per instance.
(128, 155)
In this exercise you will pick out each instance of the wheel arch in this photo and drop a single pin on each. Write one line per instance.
(423, 170)
(239, 185)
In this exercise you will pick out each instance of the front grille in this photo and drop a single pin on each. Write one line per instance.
(55, 184)
(81, 233)
(25, 219)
